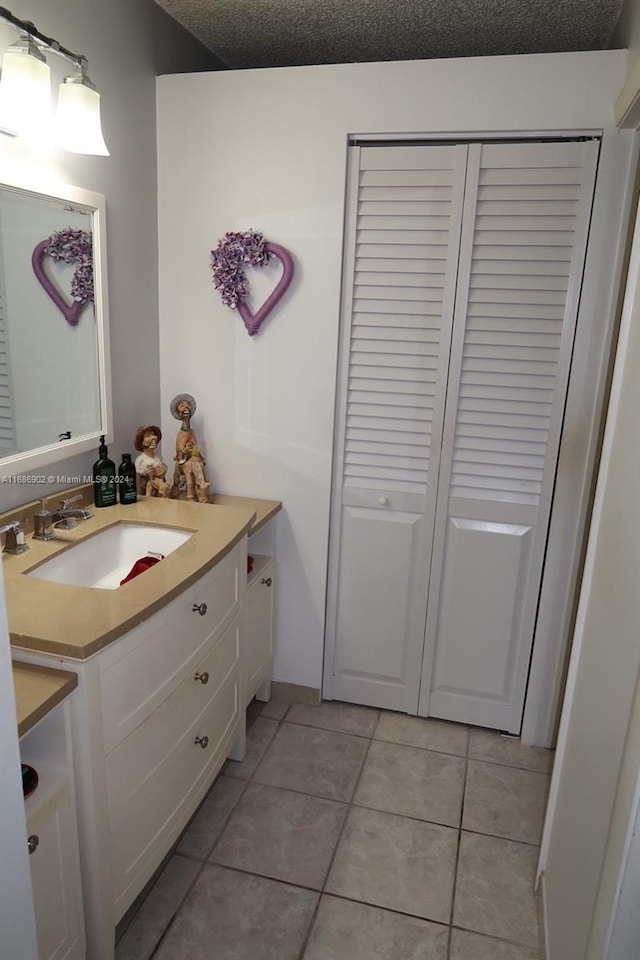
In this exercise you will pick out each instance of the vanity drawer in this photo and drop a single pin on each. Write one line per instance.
(153, 660)
(148, 809)
(135, 762)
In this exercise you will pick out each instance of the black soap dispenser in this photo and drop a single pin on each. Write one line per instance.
(127, 480)
(104, 478)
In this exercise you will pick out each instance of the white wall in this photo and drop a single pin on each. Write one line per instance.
(267, 149)
(128, 42)
(627, 34)
(584, 819)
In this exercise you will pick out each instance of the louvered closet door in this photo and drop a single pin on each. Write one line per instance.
(525, 225)
(402, 244)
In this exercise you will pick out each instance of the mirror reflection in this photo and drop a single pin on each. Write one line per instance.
(49, 338)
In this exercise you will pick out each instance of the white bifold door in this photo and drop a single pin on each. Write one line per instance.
(463, 267)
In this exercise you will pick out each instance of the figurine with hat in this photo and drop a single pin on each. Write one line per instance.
(189, 460)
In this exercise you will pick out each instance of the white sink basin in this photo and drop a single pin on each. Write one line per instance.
(105, 559)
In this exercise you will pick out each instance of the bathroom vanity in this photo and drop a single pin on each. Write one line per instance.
(165, 666)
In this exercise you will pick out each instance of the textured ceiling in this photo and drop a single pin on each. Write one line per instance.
(277, 33)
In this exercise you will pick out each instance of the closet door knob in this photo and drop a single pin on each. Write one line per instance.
(383, 501)
(202, 677)
(267, 581)
(202, 742)
(200, 608)
(32, 843)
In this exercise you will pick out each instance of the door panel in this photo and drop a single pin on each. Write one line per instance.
(484, 577)
(376, 619)
(401, 255)
(524, 233)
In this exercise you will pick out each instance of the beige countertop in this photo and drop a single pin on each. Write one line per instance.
(77, 622)
(38, 690)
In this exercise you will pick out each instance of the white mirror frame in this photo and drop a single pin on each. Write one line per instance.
(21, 463)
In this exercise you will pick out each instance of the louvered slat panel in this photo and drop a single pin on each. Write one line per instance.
(526, 218)
(409, 334)
(381, 278)
(396, 178)
(417, 292)
(518, 281)
(390, 347)
(411, 387)
(403, 306)
(403, 273)
(408, 264)
(407, 252)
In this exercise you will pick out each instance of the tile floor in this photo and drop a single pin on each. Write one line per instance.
(349, 833)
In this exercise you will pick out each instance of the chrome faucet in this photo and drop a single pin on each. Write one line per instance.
(14, 541)
(67, 516)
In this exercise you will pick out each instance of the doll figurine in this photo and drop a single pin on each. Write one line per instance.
(189, 460)
(151, 470)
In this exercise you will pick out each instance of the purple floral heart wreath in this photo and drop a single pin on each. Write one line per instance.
(228, 260)
(74, 246)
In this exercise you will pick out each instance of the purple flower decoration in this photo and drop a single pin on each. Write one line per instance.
(228, 261)
(75, 246)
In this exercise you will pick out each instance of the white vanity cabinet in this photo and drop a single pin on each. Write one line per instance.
(155, 715)
(170, 697)
(53, 839)
(258, 650)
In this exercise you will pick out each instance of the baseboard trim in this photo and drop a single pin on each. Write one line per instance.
(543, 943)
(294, 693)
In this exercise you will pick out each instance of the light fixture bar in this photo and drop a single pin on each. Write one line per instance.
(48, 42)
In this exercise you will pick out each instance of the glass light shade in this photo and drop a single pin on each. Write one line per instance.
(78, 126)
(25, 94)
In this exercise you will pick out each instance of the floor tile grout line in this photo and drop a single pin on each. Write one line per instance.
(349, 805)
(509, 766)
(315, 726)
(493, 936)
(393, 910)
(457, 860)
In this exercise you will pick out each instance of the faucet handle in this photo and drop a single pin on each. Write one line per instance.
(65, 503)
(14, 540)
(42, 522)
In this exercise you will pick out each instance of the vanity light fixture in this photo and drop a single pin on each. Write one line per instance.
(25, 89)
(25, 93)
(78, 126)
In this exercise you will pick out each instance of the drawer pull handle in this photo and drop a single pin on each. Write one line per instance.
(202, 742)
(202, 677)
(200, 608)
(267, 581)
(32, 843)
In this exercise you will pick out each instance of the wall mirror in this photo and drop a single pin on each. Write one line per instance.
(55, 396)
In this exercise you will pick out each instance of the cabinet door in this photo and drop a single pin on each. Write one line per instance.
(55, 881)
(259, 642)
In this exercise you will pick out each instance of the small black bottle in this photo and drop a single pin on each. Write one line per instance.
(104, 478)
(127, 480)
